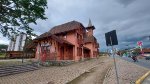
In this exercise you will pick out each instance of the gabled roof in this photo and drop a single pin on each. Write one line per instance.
(88, 39)
(49, 35)
(92, 27)
(65, 27)
(30, 45)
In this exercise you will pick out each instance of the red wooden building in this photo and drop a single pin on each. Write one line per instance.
(69, 41)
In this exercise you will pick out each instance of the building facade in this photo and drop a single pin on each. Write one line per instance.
(69, 41)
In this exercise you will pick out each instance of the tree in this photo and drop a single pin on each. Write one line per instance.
(3, 47)
(16, 15)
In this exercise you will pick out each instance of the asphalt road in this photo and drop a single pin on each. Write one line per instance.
(141, 62)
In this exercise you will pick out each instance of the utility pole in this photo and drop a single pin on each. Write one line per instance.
(114, 62)
(111, 39)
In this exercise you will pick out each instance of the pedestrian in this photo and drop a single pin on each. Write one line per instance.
(135, 58)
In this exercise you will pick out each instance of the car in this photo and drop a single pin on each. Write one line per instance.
(147, 58)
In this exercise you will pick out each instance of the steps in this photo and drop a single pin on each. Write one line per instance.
(15, 69)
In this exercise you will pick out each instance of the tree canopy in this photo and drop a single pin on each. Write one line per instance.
(16, 15)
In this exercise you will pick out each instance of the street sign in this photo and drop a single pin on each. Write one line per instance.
(139, 43)
(111, 38)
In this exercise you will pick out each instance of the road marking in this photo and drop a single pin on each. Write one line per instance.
(141, 79)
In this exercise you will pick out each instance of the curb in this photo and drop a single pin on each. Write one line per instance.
(139, 81)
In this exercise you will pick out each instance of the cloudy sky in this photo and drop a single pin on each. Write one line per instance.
(130, 18)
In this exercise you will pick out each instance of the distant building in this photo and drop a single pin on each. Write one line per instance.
(146, 51)
(17, 43)
(69, 41)
(16, 46)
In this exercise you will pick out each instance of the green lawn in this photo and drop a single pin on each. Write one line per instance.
(2, 55)
(3, 63)
(7, 62)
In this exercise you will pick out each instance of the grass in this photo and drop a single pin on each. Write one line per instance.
(6, 63)
(2, 55)
(10, 62)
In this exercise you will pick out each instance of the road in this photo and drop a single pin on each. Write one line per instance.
(141, 62)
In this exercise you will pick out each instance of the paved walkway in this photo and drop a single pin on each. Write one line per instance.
(147, 80)
(54, 75)
(128, 73)
(95, 75)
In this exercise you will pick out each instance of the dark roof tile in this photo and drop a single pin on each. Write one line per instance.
(65, 27)
(49, 35)
(89, 39)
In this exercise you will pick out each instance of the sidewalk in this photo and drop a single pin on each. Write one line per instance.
(127, 71)
(55, 74)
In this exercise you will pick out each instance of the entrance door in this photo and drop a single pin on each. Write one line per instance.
(62, 53)
(86, 53)
(70, 53)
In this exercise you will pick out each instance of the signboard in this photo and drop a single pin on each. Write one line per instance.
(139, 43)
(111, 38)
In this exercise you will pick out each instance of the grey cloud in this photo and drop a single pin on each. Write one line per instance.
(125, 2)
(129, 17)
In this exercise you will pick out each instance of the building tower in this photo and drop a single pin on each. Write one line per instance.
(90, 28)
(17, 43)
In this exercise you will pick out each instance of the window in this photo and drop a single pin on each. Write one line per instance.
(79, 51)
(79, 36)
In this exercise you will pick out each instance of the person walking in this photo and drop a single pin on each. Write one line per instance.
(135, 58)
